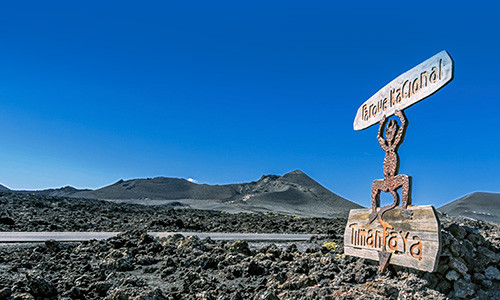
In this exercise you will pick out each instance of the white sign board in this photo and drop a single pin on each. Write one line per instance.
(406, 90)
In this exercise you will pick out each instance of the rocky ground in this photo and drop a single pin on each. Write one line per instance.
(137, 266)
(24, 212)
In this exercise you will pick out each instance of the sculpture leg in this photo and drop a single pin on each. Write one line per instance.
(396, 198)
(390, 206)
(404, 181)
(378, 185)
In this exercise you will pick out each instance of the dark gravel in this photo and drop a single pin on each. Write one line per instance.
(24, 212)
(135, 265)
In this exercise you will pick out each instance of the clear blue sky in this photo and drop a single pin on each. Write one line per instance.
(225, 91)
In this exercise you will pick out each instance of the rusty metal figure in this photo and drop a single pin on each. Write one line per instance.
(392, 180)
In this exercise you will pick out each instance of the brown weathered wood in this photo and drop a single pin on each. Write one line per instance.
(424, 225)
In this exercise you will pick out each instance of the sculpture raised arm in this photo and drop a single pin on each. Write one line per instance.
(402, 130)
(380, 136)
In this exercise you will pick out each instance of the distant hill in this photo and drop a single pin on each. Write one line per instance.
(4, 188)
(159, 188)
(292, 190)
(66, 191)
(481, 206)
(293, 193)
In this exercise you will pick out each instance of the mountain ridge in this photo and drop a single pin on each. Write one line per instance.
(291, 193)
(3, 188)
(483, 206)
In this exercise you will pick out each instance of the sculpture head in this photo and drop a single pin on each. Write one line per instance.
(391, 130)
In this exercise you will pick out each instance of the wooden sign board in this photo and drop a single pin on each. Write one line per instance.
(409, 88)
(414, 243)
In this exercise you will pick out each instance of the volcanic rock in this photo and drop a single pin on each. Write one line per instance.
(452, 275)
(7, 221)
(463, 288)
(458, 265)
(41, 287)
(135, 265)
(492, 273)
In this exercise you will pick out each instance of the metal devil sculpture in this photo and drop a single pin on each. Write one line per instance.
(392, 180)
